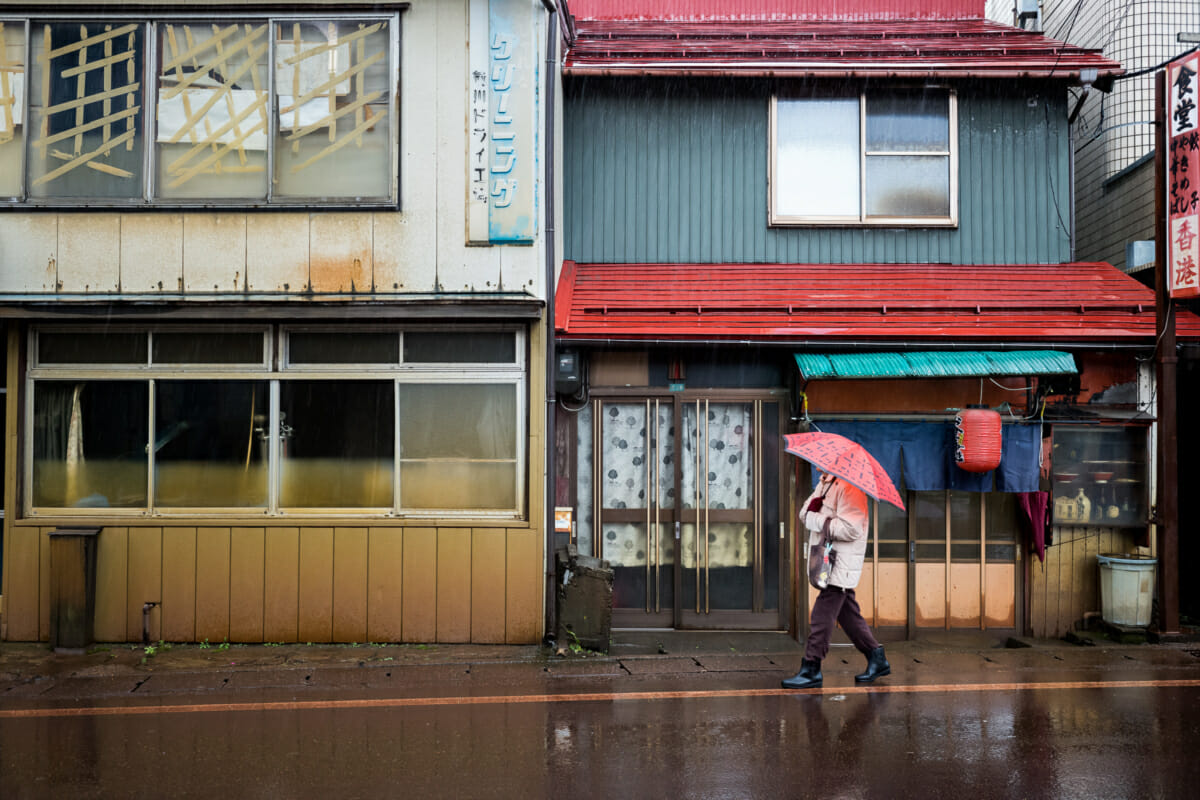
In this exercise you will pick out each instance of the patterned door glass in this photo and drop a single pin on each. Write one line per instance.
(718, 556)
(624, 441)
(633, 459)
(727, 456)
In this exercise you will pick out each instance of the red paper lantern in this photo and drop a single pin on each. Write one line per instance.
(977, 439)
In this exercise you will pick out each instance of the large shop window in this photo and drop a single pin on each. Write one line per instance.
(239, 111)
(269, 420)
(876, 158)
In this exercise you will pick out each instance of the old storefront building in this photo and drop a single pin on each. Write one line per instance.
(274, 285)
(854, 218)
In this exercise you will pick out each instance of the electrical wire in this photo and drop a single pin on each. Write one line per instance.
(1050, 177)
(1157, 67)
(1011, 388)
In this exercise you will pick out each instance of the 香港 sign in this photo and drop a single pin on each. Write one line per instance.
(1183, 178)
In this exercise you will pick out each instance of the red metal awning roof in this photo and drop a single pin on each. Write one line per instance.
(1086, 303)
(894, 48)
(776, 9)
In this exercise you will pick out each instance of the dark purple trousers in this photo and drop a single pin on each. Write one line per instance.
(836, 606)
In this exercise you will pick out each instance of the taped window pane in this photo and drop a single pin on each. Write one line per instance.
(213, 106)
(12, 106)
(86, 104)
(333, 86)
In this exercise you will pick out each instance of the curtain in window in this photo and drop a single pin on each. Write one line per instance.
(923, 454)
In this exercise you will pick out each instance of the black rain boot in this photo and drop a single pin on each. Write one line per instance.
(877, 666)
(809, 676)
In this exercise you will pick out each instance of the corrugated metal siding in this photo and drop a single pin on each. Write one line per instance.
(673, 171)
(772, 9)
(926, 364)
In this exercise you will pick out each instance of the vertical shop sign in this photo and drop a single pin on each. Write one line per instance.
(502, 123)
(1183, 179)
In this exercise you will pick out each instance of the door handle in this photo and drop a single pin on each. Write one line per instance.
(912, 552)
(677, 530)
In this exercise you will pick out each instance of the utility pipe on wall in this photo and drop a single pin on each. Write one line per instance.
(550, 448)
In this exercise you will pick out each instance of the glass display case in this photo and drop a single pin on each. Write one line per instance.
(1098, 475)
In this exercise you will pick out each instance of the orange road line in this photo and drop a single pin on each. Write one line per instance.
(584, 697)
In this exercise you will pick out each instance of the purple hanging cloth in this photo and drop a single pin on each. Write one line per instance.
(1032, 519)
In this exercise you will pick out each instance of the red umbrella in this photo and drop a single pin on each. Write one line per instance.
(847, 460)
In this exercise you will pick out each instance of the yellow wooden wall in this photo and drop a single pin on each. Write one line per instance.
(306, 584)
(1067, 585)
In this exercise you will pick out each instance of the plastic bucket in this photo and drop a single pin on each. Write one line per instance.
(1126, 588)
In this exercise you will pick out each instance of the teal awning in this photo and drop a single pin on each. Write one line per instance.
(935, 364)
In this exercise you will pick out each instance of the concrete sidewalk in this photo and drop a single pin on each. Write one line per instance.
(33, 675)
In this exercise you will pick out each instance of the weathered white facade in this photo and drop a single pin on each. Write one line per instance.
(443, 255)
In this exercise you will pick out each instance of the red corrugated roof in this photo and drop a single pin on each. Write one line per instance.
(776, 9)
(946, 48)
(1079, 302)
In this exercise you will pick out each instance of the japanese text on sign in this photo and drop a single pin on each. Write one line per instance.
(1183, 179)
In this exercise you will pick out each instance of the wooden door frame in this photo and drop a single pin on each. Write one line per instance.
(719, 619)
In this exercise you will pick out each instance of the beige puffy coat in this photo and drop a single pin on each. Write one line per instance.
(845, 510)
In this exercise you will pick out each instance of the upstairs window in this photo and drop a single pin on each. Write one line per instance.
(238, 111)
(876, 158)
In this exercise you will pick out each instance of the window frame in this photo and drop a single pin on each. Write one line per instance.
(150, 26)
(863, 219)
(274, 371)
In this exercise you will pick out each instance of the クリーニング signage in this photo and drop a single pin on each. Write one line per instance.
(502, 132)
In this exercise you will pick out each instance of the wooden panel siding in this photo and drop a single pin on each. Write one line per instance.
(487, 585)
(112, 573)
(295, 584)
(145, 583)
(385, 585)
(678, 173)
(212, 583)
(179, 584)
(1067, 585)
(454, 585)
(523, 586)
(246, 584)
(420, 584)
(22, 584)
(350, 584)
(281, 605)
(316, 585)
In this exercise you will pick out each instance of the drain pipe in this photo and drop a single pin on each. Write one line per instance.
(550, 449)
(149, 604)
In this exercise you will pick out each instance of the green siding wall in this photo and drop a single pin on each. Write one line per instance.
(665, 171)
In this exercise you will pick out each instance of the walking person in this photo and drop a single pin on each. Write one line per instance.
(837, 511)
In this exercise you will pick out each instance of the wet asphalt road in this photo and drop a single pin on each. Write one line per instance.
(1110, 726)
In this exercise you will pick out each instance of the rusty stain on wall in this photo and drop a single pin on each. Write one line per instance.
(339, 274)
